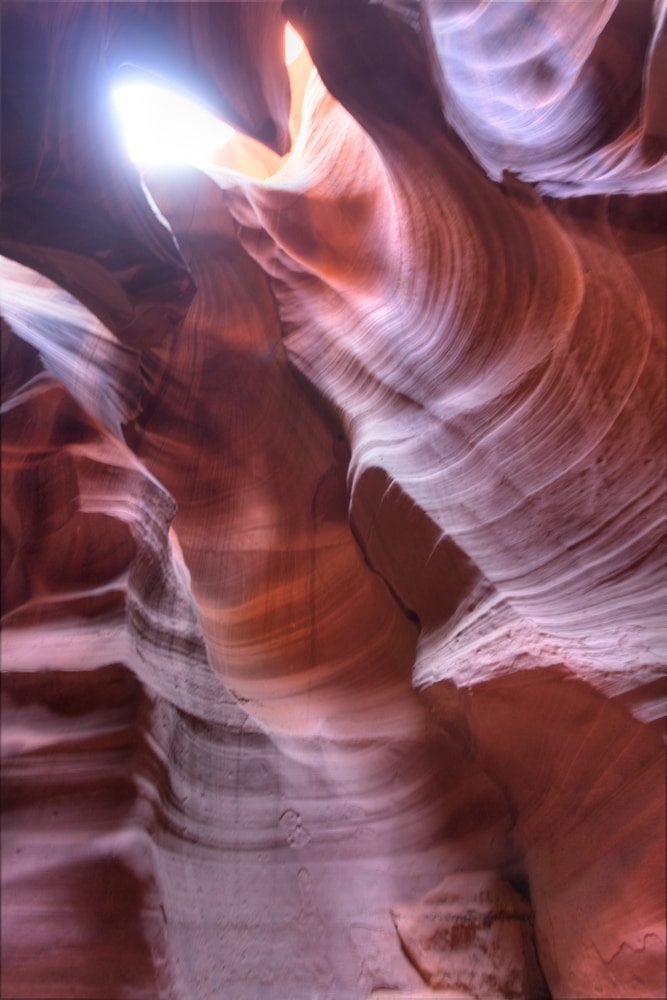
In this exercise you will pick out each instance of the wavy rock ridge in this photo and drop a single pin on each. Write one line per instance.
(333, 506)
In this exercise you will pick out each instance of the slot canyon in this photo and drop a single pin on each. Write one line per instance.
(333, 504)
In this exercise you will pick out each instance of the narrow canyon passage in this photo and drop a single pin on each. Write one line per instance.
(333, 643)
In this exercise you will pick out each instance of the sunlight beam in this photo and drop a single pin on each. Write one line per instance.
(293, 45)
(161, 126)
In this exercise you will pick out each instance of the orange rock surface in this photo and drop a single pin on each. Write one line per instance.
(333, 505)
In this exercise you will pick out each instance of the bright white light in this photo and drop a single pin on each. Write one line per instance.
(293, 44)
(163, 127)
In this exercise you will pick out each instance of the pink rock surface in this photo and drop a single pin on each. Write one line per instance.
(333, 505)
(473, 934)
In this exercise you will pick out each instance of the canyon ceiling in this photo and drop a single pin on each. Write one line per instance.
(333, 505)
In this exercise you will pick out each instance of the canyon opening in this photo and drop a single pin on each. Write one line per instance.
(333, 501)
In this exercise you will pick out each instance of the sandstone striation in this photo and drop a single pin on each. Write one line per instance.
(333, 505)
(472, 934)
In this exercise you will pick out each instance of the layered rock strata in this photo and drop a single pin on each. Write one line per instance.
(333, 506)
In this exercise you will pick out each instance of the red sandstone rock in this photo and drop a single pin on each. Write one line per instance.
(473, 934)
(333, 514)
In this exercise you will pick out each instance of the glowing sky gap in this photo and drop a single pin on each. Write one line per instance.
(161, 126)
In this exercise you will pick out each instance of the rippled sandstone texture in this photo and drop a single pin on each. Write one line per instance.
(333, 507)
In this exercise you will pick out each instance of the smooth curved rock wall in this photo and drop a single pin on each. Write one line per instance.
(333, 505)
